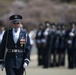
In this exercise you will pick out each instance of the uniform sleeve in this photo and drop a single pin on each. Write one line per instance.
(27, 50)
(2, 50)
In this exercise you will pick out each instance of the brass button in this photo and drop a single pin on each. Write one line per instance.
(16, 46)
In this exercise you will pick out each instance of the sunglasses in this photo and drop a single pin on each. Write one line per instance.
(15, 23)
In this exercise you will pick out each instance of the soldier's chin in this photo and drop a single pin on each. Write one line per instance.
(16, 27)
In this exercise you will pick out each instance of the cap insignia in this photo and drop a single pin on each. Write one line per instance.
(15, 16)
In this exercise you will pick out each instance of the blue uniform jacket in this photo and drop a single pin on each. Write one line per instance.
(15, 59)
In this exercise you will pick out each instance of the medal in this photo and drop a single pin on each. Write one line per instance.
(22, 41)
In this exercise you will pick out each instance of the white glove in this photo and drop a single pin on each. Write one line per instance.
(1, 66)
(71, 34)
(69, 41)
(25, 65)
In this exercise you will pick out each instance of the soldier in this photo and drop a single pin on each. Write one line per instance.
(2, 31)
(39, 44)
(32, 36)
(74, 30)
(70, 46)
(52, 40)
(57, 45)
(45, 45)
(16, 46)
(62, 45)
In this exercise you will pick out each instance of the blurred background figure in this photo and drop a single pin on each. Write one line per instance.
(52, 45)
(57, 44)
(32, 34)
(21, 25)
(62, 45)
(45, 45)
(74, 31)
(2, 30)
(39, 44)
(70, 34)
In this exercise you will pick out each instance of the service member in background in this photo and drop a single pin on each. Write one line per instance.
(32, 35)
(74, 30)
(52, 45)
(17, 43)
(39, 44)
(62, 45)
(57, 44)
(45, 44)
(2, 31)
(70, 45)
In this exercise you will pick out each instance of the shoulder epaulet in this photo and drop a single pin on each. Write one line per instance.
(24, 30)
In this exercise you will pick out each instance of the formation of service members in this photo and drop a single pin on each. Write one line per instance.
(15, 47)
(53, 41)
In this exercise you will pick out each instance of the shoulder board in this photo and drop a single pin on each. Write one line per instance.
(24, 30)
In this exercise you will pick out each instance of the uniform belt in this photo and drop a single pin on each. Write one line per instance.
(14, 50)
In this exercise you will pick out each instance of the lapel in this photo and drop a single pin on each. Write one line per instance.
(20, 35)
(11, 33)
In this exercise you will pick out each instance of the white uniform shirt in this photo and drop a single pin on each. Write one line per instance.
(32, 36)
(16, 35)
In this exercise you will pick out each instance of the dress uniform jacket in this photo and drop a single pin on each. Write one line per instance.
(63, 41)
(70, 40)
(39, 46)
(17, 53)
(51, 44)
(58, 40)
(75, 49)
(70, 47)
(52, 39)
(38, 38)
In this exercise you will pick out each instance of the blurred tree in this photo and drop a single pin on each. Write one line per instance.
(66, 1)
(26, 1)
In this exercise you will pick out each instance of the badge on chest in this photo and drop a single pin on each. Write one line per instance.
(22, 41)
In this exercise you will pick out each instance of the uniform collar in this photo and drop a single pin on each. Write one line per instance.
(18, 29)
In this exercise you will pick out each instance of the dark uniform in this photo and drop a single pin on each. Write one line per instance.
(75, 50)
(57, 45)
(74, 42)
(62, 45)
(51, 40)
(74, 30)
(45, 45)
(39, 44)
(70, 46)
(2, 31)
(18, 52)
